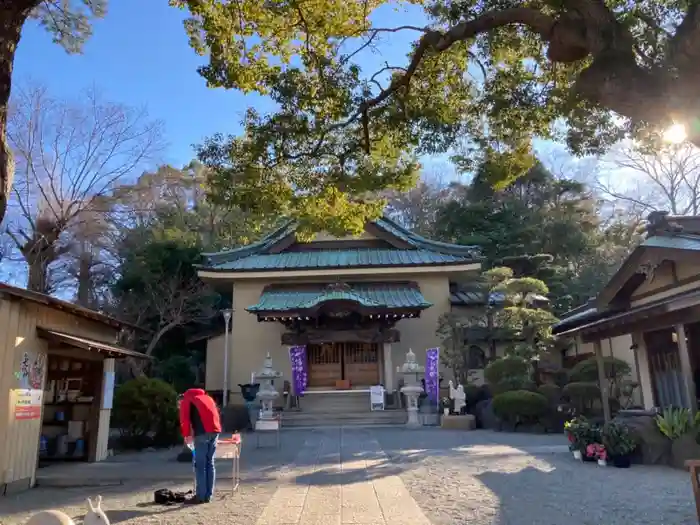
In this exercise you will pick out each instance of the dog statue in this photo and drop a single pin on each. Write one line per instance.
(94, 516)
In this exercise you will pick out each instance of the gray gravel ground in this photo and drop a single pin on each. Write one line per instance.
(131, 503)
(460, 478)
(475, 478)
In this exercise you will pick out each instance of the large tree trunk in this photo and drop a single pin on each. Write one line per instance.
(85, 280)
(37, 280)
(13, 15)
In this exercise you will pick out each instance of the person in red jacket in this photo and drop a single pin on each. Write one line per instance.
(200, 425)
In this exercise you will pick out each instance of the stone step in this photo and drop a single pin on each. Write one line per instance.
(364, 418)
(347, 402)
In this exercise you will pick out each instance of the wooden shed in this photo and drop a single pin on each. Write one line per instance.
(57, 379)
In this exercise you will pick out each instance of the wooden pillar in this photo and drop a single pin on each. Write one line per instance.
(603, 380)
(102, 445)
(388, 368)
(686, 369)
(693, 465)
(635, 353)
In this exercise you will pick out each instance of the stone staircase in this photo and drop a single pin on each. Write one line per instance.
(346, 408)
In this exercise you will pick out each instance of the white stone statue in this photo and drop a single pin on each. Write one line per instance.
(458, 397)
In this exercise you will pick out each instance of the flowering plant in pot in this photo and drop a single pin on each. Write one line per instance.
(577, 431)
(446, 405)
(619, 442)
(597, 451)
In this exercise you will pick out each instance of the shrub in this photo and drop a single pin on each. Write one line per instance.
(508, 373)
(471, 392)
(675, 422)
(587, 370)
(520, 406)
(145, 411)
(505, 368)
(581, 395)
(551, 392)
(618, 439)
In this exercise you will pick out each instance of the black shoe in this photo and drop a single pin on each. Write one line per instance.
(193, 501)
(207, 500)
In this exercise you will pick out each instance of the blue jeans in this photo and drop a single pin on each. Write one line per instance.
(205, 471)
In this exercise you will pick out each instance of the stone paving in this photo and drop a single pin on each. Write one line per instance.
(332, 484)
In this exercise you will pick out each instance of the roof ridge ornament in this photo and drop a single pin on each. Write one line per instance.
(338, 286)
(660, 222)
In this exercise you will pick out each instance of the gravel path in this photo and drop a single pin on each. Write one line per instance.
(486, 478)
(479, 478)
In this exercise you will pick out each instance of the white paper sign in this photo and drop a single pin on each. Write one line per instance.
(376, 397)
(107, 390)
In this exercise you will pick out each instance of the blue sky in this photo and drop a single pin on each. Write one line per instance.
(139, 55)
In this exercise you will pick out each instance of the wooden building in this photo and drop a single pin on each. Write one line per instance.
(652, 305)
(57, 379)
(357, 304)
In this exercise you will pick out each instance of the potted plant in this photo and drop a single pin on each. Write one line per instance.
(597, 451)
(445, 404)
(576, 431)
(619, 443)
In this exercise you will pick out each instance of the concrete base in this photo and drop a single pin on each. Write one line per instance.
(465, 422)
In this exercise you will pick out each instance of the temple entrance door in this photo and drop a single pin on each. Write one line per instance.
(361, 363)
(325, 365)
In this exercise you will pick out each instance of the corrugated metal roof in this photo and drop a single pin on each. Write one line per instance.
(89, 344)
(340, 259)
(674, 242)
(572, 319)
(371, 296)
(468, 298)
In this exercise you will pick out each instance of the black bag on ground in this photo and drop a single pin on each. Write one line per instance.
(168, 497)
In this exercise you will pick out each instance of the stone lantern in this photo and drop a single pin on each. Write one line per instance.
(412, 388)
(267, 393)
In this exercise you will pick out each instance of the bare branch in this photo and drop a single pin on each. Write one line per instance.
(70, 154)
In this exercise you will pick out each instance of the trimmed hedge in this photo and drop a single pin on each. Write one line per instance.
(551, 392)
(508, 373)
(581, 395)
(145, 411)
(520, 406)
(586, 371)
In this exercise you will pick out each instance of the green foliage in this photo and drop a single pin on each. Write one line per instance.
(618, 439)
(581, 433)
(541, 227)
(145, 411)
(339, 127)
(551, 392)
(582, 395)
(587, 370)
(176, 370)
(520, 406)
(158, 287)
(69, 21)
(675, 422)
(508, 373)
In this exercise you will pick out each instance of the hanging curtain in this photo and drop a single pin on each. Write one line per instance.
(300, 376)
(432, 378)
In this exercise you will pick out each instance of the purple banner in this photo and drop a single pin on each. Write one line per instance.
(300, 376)
(432, 373)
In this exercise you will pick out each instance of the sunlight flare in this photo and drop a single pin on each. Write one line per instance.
(675, 134)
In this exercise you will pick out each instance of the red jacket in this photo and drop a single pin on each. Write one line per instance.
(198, 406)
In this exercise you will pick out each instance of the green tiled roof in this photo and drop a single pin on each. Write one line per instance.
(419, 251)
(674, 242)
(374, 296)
(340, 259)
